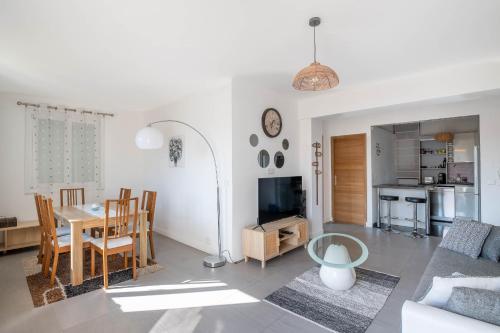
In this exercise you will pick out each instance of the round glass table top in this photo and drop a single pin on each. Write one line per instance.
(318, 246)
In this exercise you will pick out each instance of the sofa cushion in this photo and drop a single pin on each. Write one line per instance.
(479, 304)
(466, 237)
(491, 246)
(445, 262)
(442, 287)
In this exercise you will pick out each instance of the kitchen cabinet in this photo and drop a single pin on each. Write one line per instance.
(463, 147)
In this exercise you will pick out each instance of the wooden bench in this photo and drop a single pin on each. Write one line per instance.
(25, 234)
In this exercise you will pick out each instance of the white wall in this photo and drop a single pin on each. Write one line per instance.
(186, 207)
(250, 99)
(488, 108)
(123, 163)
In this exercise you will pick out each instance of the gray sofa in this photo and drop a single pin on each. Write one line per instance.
(418, 318)
(445, 262)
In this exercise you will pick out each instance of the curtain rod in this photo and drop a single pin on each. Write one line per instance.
(65, 109)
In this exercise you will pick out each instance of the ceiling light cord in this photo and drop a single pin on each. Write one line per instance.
(314, 38)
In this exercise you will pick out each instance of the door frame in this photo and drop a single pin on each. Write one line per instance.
(332, 173)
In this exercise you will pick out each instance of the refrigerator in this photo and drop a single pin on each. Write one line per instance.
(468, 198)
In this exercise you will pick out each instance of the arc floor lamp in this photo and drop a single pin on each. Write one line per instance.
(151, 138)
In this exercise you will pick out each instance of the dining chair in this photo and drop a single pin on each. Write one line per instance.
(71, 195)
(54, 244)
(116, 238)
(125, 193)
(148, 203)
(60, 231)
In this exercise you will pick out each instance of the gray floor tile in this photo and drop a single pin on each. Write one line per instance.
(105, 311)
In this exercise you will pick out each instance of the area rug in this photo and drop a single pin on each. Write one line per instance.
(43, 294)
(350, 311)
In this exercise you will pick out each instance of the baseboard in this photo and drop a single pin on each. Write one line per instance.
(183, 239)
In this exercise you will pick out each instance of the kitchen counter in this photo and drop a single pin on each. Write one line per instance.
(403, 190)
(401, 186)
(420, 186)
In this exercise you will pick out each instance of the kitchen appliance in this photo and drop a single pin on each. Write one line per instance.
(466, 203)
(441, 178)
(443, 203)
(467, 198)
(429, 180)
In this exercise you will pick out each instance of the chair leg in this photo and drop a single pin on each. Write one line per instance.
(125, 259)
(54, 268)
(40, 251)
(134, 264)
(92, 232)
(48, 255)
(92, 261)
(151, 244)
(105, 269)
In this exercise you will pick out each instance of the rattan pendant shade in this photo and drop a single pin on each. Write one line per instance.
(315, 76)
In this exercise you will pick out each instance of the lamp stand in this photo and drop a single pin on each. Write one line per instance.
(212, 261)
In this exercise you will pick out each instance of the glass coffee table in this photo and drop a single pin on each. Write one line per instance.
(333, 252)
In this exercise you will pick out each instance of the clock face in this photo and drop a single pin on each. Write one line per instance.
(271, 122)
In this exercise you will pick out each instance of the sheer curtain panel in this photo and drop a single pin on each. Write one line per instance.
(63, 149)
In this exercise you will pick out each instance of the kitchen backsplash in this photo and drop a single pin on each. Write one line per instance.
(462, 170)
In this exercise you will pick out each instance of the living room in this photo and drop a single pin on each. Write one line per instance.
(215, 111)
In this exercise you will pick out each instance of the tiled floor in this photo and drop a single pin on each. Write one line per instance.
(162, 306)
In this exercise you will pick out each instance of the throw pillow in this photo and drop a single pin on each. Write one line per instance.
(442, 287)
(466, 237)
(479, 304)
(491, 246)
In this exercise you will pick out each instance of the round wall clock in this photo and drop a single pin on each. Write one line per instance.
(271, 122)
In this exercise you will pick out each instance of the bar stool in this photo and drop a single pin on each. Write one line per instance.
(389, 199)
(415, 201)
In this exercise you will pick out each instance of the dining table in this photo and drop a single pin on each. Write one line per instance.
(81, 217)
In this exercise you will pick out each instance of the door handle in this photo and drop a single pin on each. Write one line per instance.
(335, 180)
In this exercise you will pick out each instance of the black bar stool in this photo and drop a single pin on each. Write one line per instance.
(415, 201)
(389, 199)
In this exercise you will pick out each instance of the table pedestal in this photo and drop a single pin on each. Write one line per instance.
(337, 278)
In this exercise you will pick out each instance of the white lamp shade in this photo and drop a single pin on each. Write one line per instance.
(149, 138)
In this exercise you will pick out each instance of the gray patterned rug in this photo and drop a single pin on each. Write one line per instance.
(350, 311)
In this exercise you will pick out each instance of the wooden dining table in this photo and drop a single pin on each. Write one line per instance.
(81, 217)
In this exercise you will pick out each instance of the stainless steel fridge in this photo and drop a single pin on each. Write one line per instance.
(468, 198)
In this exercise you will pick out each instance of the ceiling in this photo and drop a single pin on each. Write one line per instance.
(134, 55)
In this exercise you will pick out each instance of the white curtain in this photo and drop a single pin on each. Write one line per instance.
(64, 149)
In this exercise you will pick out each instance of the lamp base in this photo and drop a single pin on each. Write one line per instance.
(214, 261)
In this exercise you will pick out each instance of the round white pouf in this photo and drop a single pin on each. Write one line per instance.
(337, 278)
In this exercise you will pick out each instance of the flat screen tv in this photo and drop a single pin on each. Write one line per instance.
(279, 197)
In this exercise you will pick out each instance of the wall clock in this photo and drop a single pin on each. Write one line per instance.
(271, 122)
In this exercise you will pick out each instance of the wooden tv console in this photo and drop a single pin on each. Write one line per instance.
(265, 243)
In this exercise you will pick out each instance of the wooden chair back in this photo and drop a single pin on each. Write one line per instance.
(71, 195)
(47, 215)
(38, 197)
(118, 216)
(149, 203)
(125, 193)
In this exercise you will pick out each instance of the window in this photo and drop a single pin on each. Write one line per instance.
(63, 149)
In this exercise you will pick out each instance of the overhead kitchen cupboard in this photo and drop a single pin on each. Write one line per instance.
(463, 147)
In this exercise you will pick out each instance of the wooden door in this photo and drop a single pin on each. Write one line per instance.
(349, 178)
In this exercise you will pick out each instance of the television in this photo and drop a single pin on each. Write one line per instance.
(280, 197)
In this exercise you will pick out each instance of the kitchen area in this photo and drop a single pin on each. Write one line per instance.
(429, 169)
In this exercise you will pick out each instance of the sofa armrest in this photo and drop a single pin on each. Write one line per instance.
(418, 318)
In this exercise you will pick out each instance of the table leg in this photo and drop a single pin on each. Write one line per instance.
(76, 253)
(143, 240)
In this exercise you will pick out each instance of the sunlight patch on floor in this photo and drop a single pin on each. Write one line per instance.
(183, 300)
(180, 286)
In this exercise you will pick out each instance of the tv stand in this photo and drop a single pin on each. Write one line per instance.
(265, 243)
